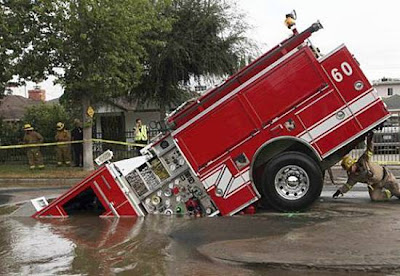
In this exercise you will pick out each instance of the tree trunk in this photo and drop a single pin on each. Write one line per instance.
(163, 111)
(87, 136)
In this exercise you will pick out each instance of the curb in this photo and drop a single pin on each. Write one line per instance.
(38, 182)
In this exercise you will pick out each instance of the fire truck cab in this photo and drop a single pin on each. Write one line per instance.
(269, 131)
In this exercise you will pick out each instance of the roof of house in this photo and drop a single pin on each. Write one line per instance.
(386, 81)
(133, 105)
(54, 101)
(124, 103)
(393, 102)
(13, 107)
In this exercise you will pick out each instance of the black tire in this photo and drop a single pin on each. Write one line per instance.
(299, 193)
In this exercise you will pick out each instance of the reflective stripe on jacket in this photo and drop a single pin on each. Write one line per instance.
(141, 134)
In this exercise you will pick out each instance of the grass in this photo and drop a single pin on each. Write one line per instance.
(23, 171)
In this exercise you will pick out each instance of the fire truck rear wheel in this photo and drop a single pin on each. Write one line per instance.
(292, 181)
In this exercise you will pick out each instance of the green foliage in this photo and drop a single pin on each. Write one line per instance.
(26, 44)
(10, 133)
(101, 44)
(207, 38)
(44, 118)
(106, 48)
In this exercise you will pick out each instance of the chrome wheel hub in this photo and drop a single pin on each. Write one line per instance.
(292, 182)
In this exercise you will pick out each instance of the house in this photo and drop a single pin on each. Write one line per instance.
(116, 118)
(13, 107)
(387, 87)
(393, 105)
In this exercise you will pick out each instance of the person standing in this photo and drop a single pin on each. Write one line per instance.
(140, 135)
(35, 157)
(382, 184)
(63, 151)
(77, 148)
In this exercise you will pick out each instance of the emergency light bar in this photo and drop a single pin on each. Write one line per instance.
(104, 157)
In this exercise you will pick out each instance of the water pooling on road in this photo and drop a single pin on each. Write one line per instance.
(155, 245)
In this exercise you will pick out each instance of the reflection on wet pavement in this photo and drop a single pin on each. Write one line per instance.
(90, 245)
(155, 245)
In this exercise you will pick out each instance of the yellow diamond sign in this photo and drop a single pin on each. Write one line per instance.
(90, 111)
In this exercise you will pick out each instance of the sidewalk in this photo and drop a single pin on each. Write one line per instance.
(18, 175)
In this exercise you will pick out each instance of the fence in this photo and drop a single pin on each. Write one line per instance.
(386, 143)
(18, 155)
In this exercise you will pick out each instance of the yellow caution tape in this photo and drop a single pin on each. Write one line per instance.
(118, 143)
(71, 142)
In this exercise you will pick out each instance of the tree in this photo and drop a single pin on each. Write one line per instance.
(25, 47)
(98, 44)
(206, 39)
(98, 49)
(44, 118)
(10, 133)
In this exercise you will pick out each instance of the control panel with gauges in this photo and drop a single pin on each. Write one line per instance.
(166, 185)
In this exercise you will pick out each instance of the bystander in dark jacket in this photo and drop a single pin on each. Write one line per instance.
(77, 135)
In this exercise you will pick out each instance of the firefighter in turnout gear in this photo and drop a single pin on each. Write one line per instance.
(63, 151)
(382, 184)
(140, 135)
(35, 157)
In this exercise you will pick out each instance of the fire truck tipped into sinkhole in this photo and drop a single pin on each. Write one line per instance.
(269, 132)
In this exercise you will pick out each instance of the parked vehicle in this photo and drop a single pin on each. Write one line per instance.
(269, 131)
(387, 139)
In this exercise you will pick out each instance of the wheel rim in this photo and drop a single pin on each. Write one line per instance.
(292, 182)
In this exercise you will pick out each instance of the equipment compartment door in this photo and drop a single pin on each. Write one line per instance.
(229, 189)
(215, 133)
(328, 121)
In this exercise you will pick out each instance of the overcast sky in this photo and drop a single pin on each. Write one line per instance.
(370, 29)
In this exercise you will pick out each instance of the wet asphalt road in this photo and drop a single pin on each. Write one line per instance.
(239, 245)
(11, 195)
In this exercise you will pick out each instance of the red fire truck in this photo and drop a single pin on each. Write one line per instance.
(269, 131)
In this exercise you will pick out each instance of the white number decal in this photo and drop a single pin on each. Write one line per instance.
(346, 68)
(338, 76)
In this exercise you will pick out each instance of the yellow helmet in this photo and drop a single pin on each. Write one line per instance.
(289, 22)
(60, 126)
(28, 127)
(348, 162)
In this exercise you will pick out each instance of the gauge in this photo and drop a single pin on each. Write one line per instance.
(168, 192)
(164, 144)
(155, 200)
(168, 212)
